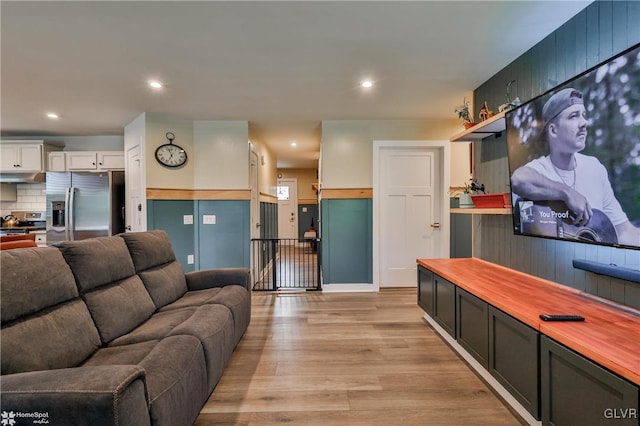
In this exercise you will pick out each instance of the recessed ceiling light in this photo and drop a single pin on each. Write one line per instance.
(294, 144)
(155, 84)
(53, 116)
(366, 84)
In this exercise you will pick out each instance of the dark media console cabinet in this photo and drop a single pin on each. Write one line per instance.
(560, 373)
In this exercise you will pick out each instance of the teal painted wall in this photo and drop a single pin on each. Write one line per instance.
(347, 241)
(225, 244)
(168, 215)
(600, 31)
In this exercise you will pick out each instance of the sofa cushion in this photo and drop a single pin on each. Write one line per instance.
(33, 279)
(156, 328)
(104, 272)
(97, 261)
(175, 374)
(234, 297)
(211, 324)
(119, 307)
(149, 249)
(60, 337)
(165, 283)
(44, 323)
(156, 264)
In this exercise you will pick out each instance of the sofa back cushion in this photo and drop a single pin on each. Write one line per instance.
(156, 264)
(104, 273)
(45, 324)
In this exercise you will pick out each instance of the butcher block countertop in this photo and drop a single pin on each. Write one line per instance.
(610, 334)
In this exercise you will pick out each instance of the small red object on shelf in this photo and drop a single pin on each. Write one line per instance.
(491, 201)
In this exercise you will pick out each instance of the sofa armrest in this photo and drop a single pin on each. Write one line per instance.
(219, 277)
(104, 395)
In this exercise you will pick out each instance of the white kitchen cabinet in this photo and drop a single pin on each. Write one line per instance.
(81, 160)
(110, 160)
(21, 158)
(57, 162)
(86, 160)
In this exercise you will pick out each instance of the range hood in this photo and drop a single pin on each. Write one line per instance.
(37, 177)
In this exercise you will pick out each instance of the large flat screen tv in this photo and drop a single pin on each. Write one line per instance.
(574, 157)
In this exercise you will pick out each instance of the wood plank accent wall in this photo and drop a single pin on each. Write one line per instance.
(600, 31)
(346, 193)
(197, 194)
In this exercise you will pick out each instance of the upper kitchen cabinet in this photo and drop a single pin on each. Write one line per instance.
(81, 160)
(56, 162)
(86, 160)
(24, 156)
(110, 160)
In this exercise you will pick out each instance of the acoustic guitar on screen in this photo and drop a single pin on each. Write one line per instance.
(554, 219)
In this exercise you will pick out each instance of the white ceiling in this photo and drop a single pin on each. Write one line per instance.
(282, 66)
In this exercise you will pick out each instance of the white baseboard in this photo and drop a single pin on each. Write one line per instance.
(348, 287)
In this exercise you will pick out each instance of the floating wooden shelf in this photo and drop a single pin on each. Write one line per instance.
(506, 211)
(486, 128)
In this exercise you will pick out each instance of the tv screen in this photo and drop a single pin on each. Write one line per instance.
(574, 157)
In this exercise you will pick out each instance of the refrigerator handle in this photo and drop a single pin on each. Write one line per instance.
(72, 217)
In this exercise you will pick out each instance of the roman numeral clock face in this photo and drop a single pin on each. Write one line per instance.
(171, 155)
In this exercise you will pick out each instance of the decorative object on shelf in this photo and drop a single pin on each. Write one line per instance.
(473, 187)
(464, 114)
(484, 112)
(169, 154)
(468, 189)
(490, 201)
(510, 104)
(466, 202)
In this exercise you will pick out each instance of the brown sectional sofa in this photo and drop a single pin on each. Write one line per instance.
(111, 331)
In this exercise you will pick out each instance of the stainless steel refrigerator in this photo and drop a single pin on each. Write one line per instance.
(84, 204)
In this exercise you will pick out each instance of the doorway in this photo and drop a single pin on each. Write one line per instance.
(287, 208)
(410, 208)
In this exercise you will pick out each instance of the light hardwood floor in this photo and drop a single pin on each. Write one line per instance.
(348, 359)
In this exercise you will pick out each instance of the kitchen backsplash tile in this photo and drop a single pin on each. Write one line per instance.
(30, 196)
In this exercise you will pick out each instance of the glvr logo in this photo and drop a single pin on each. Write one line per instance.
(620, 413)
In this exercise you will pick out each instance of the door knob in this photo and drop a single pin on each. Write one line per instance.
(435, 225)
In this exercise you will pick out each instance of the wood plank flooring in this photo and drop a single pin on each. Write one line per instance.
(348, 359)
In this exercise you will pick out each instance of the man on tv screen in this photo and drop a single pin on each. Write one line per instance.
(576, 186)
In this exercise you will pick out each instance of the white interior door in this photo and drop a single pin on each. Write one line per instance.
(134, 190)
(409, 212)
(287, 208)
